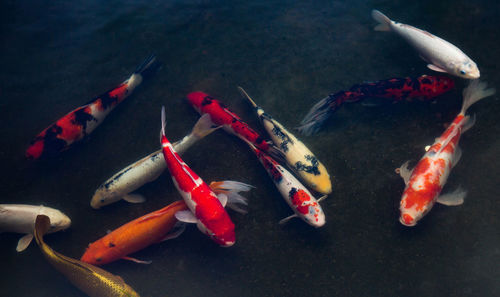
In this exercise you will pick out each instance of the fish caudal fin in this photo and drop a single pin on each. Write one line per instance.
(475, 91)
(384, 21)
(317, 116)
(231, 189)
(204, 126)
(148, 66)
(42, 225)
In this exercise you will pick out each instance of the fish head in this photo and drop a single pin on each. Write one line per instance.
(410, 212)
(467, 69)
(102, 197)
(35, 149)
(101, 252)
(225, 239)
(222, 231)
(306, 207)
(198, 99)
(58, 220)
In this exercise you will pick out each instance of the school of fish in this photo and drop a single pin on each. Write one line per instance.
(202, 204)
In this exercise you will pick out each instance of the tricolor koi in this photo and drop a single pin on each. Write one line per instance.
(395, 89)
(80, 122)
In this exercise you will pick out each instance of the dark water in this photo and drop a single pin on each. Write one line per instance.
(57, 55)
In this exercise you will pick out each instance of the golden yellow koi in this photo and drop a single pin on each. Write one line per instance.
(92, 280)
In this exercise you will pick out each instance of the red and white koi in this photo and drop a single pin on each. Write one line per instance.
(441, 55)
(209, 213)
(302, 160)
(80, 122)
(123, 183)
(302, 202)
(425, 182)
(230, 122)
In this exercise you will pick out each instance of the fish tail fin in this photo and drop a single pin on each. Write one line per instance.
(317, 116)
(244, 94)
(475, 91)
(204, 126)
(42, 225)
(232, 189)
(384, 21)
(144, 70)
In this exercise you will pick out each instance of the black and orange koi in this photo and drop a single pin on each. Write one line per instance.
(80, 122)
(396, 89)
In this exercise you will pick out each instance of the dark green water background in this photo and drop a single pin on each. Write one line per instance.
(57, 55)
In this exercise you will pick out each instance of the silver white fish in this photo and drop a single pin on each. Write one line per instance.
(297, 155)
(20, 218)
(441, 55)
(146, 170)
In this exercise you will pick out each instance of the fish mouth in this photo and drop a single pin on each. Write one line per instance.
(407, 224)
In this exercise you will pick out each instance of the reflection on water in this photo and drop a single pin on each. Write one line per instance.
(56, 56)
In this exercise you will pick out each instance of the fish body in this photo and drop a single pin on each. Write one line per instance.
(133, 236)
(395, 89)
(20, 218)
(146, 170)
(80, 122)
(212, 218)
(302, 202)
(302, 160)
(425, 182)
(441, 55)
(221, 115)
(92, 280)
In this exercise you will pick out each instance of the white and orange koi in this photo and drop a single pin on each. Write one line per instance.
(425, 182)
(300, 159)
(205, 208)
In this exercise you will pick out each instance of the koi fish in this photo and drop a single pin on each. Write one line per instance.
(153, 228)
(221, 115)
(92, 280)
(305, 163)
(80, 122)
(204, 205)
(20, 218)
(441, 55)
(146, 170)
(425, 182)
(395, 89)
(302, 202)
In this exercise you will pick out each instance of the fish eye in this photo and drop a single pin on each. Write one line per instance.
(98, 259)
(462, 72)
(102, 200)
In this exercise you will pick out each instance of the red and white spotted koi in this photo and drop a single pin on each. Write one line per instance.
(210, 215)
(302, 202)
(80, 122)
(425, 182)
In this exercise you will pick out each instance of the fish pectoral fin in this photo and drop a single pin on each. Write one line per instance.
(404, 171)
(222, 199)
(186, 216)
(322, 198)
(285, 220)
(134, 198)
(435, 68)
(180, 228)
(137, 260)
(24, 242)
(456, 156)
(454, 198)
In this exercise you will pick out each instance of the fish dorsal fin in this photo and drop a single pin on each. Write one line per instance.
(435, 68)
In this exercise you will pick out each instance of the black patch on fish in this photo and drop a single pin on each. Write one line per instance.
(207, 100)
(82, 117)
(108, 101)
(108, 184)
(259, 140)
(111, 244)
(154, 157)
(426, 81)
(292, 192)
(284, 138)
(52, 145)
(313, 168)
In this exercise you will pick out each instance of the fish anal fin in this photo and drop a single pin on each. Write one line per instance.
(136, 261)
(181, 227)
(134, 198)
(24, 242)
(435, 68)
